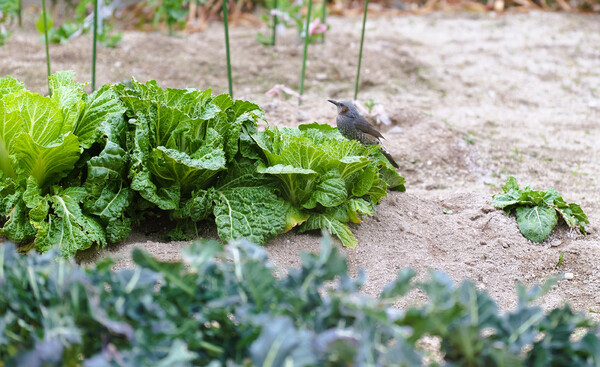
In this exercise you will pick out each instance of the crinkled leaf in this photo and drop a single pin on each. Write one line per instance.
(536, 222)
(9, 85)
(333, 226)
(47, 163)
(572, 214)
(10, 194)
(189, 101)
(100, 108)
(243, 173)
(326, 130)
(254, 213)
(243, 110)
(117, 229)
(170, 165)
(110, 203)
(223, 101)
(68, 96)
(296, 183)
(17, 226)
(38, 205)
(511, 184)
(539, 223)
(198, 207)
(349, 165)
(70, 230)
(356, 208)
(10, 125)
(42, 117)
(363, 182)
(329, 192)
(378, 190)
(166, 198)
(108, 192)
(392, 179)
(295, 217)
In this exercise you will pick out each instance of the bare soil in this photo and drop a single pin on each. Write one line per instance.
(472, 98)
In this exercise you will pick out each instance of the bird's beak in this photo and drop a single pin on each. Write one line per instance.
(334, 102)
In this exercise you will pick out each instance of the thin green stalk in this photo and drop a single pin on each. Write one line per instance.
(323, 17)
(306, 39)
(94, 41)
(227, 48)
(19, 15)
(274, 23)
(46, 41)
(362, 39)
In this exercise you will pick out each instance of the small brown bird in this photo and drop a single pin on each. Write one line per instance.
(355, 127)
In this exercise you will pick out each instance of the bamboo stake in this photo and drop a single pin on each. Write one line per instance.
(306, 39)
(362, 40)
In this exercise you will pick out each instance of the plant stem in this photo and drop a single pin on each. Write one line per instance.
(227, 48)
(46, 42)
(170, 29)
(362, 39)
(94, 41)
(306, 39)
(19, 14)
(323, 17)
(274, 23)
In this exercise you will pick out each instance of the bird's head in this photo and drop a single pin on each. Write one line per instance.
(345, 107)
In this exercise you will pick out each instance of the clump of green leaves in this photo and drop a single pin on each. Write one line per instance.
(9, 10)
(62, 166)
(173, 12)
(82, 22)
(327, 179)
(231, 308)
(79, 170)
(537, 210)
(186, 160)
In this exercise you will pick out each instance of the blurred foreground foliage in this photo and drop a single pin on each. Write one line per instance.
(230, 307)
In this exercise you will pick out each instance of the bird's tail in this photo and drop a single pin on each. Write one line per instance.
(388, 156)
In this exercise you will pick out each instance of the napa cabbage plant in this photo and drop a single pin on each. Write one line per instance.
(327, 179)
(536, 210)
(62, 166)
(185, 160)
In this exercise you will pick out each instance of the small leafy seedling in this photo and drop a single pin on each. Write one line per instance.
(560, 259)
(536, 210)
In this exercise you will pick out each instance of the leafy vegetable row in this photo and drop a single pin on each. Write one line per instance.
(78, 170)
(229, 308)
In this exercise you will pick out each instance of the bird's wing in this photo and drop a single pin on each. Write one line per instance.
(364, 126)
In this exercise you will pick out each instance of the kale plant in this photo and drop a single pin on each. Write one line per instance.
(232, 308)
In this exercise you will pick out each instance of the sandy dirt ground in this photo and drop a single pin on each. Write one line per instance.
(473, 98)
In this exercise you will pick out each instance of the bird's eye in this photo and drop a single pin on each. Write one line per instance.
(344, 109)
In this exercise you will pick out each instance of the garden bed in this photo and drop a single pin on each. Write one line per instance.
(472, 98)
